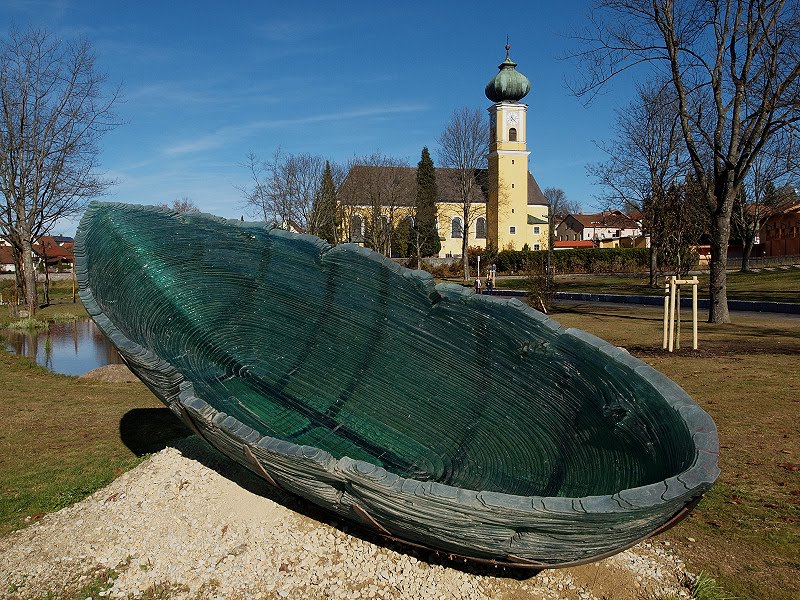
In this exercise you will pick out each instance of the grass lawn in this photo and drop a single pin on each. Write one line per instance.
(62, 438)
(774, 286)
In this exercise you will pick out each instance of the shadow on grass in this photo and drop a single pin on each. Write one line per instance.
(145, 430)
(148, 430)
(595, 309)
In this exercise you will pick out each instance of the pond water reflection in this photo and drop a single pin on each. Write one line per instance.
(69, 348)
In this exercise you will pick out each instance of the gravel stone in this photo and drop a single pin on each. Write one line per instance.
(177, 526)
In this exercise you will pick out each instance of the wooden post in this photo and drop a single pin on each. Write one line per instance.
(666, 312)
(671, 313)
(694, 312)
(73, 282)
(678, 316)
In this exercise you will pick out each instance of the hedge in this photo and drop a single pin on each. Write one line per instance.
(579, 260)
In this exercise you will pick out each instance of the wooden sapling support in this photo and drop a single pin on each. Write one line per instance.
(672, 312)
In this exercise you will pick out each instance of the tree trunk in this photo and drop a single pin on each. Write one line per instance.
(551, 239)
(720, 234)
(464, 247)
(653, 265)
(18, 278)
(747, 250)
(29, 273)
(419, 251)
(46, 284)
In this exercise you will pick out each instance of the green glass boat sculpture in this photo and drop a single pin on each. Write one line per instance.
(470, 424)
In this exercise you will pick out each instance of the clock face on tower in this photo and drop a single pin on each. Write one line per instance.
(512, 119)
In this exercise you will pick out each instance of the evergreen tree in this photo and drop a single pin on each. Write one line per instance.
(324, 211)
(427, 238)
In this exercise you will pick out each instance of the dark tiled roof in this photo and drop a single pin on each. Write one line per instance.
(613, 218)
(47, 246)
(404, 179)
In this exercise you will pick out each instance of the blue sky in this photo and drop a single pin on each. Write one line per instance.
(205, 83)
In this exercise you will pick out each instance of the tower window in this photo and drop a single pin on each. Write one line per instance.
(512, 230)
(480, 228)
(512, 161)
(512, 186)
(536, 230)
(512, 134)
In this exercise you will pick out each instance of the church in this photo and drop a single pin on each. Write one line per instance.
(508, 209)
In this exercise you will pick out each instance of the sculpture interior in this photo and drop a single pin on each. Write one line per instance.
(470, 424)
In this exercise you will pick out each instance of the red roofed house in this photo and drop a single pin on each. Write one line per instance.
(56, 251)
(6, 259)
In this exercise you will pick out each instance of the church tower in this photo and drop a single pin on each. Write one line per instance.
(507, 209)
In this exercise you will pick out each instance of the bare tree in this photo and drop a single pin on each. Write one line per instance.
(683, 217)
(184, 205)
(766, 191)
(284, 188)
(647, 157)
(463, 147)
(53, 111)
(734, 65)
(558, 207)
(375, 188)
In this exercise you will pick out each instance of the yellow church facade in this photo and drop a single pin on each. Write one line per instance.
(509, 212)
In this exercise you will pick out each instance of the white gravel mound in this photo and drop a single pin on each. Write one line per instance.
(189, 524)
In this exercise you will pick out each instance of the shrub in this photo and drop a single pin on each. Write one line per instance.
(579, 260)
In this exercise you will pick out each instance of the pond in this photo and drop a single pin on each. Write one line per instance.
(69, 348)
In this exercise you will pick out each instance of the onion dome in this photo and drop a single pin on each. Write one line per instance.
(509, 85)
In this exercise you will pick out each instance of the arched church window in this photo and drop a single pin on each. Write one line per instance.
(480, 228)
(456, 228)
(512, 134)
(356, 229)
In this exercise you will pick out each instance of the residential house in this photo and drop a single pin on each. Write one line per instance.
(780, 234)
(609, 229)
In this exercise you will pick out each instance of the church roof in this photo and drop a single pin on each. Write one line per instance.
(509, 85)
(399, 186)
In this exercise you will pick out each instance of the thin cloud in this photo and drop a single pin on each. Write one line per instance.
(281, 31)
(227, 135)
